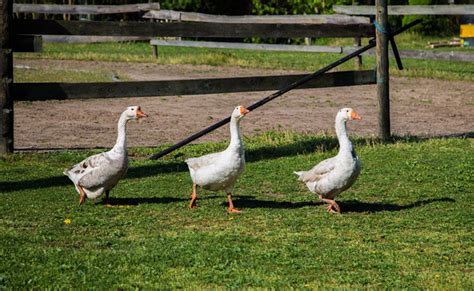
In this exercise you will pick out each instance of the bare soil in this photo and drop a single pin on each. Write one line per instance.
(422, 107)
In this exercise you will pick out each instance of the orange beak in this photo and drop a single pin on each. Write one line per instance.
(244, 110)
(355, 116)
(140, 113)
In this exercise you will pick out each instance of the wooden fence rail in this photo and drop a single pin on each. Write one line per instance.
(275, 19)
(407, 9)
(83, 9)
(61, 91)
(249, 46)
(199, 29)
(411, 54)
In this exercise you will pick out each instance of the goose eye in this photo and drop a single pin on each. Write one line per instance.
(133, 109)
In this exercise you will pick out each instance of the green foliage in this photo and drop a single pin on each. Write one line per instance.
(432, 25)
(181, 5)
(289, 7)
(406, 223)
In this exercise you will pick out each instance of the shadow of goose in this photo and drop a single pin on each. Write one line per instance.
(346, 206)
(358, 206)
(134, 201)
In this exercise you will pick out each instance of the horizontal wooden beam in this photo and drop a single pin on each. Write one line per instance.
(61, 91)
(27, 43)
(90, 38)
(249, 46)
(407, 9)
(433, 55)
(276, 19)
(197, 29)
(83, 9)
(423, 54)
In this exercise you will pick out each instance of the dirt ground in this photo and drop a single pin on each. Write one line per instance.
(422, 107)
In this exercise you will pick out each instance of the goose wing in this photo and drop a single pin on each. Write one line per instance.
(318, 171)
(91, 172)
(204, 161)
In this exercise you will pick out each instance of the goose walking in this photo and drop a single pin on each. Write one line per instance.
(334, 175)
(101, 172)
(219, 171)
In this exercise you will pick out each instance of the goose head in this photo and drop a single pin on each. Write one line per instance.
(346, 114)
(134, 112)
(239, 112)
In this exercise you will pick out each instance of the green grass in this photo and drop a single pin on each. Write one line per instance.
(141, 52)
(407, 222)
(28, 75)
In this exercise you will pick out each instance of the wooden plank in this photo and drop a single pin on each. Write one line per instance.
(248, 46)
(83, 9)
(28, 43)
(425, 54)
(383, 92)
(89, 38)
(60, 91)
(275, 19)
(431, 55)
(369, 10)
(198, 29)
(6, 77)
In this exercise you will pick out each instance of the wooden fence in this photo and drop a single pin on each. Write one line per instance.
(83, 9)
(407, 9)
(11, 31)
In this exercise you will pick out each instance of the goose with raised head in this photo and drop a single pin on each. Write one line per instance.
(219, 171)
(101, 172)
(334, 175)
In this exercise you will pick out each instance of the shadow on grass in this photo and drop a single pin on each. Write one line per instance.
(308, 145)
(346, 206)
(134, 201)
(244, 201)
(358, 206)
(56, 181)
(140, 200)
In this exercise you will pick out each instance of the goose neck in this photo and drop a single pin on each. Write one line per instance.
(345, 145)
(121, 143)
(235, 137)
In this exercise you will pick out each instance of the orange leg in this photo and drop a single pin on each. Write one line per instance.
(332, 205)
(231, 208)
(82, 194)
(193, 204)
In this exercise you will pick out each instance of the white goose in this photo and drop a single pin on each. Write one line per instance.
(101, 172)
(334, 175)
(219, 171)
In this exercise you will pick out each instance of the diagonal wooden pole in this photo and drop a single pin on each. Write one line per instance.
(279, 92)
(264, 100)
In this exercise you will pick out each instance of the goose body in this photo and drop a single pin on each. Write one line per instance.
(101, 172)
(332, 176)
(219, 171)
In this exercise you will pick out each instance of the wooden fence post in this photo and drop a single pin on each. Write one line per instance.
(358, 59)
(6, 74)
(382, 69)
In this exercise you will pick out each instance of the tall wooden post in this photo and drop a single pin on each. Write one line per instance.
(6, 74)
(382, 69)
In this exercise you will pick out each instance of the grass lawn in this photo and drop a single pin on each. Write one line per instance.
(406, 223)
(141, 52)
